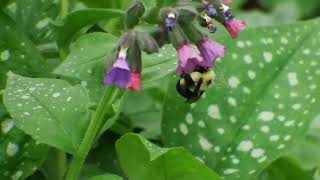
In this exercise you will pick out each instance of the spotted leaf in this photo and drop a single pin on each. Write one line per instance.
(142, 160)
(52, 111)
(38, 26)
(272, 94)
(19, 54)
(20, 156)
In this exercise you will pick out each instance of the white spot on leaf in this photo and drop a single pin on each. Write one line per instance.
(266, 116)
(183, 129)
(214, 112)
(12, 149)
(256, 153)
(293, 79)
(7, 125)
(267, 57)
(234, 82)
(245, 146)
(205, 144)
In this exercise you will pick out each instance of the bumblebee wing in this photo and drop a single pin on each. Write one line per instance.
(220, 81)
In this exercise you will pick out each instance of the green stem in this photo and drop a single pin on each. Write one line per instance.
(64, 8)
(55, 165)
(96, 123)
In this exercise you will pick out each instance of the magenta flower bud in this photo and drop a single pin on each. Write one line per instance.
(234, 26)
(227, 2)
(135, 82)
(119, 74)
(188, 59)
(210, 51)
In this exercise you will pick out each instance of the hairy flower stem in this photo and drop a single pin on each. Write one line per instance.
(105, 106)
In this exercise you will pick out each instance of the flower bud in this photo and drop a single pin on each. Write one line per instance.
(147, 43)
(133, 14)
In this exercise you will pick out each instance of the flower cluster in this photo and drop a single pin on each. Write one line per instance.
(183, 34)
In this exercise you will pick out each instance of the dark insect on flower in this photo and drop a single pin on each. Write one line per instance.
(193, 85)
(171, 21)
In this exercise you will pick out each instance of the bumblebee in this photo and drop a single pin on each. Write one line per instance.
(193, 85)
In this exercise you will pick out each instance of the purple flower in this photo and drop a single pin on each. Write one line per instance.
(210, 51)
(119, 74)
(188, 59)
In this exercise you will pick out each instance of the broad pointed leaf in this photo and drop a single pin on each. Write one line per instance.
(272, 94)
(52, 111)
(77, 20)
(20, 156)
(142, 160)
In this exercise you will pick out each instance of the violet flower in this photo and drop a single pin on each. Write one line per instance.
(210, 51)
(188, 59)
(119, 74)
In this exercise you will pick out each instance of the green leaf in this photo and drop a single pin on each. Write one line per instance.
(146, 117)
(105, 177)
(19, 54)
(37, 25)
(284, 169)
(79, 19)
(52, 111)
(306, 8)
(20, 156)
(88, 56)
(102, 158)
(306, 149)
(142, 160)
(107, 4)
(273, 77)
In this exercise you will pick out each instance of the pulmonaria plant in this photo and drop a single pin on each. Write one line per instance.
(177, 24)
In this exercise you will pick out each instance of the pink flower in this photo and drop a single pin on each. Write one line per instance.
(234, 26)
(188, 59)
(119, 74)
(135, 82)
(227, 2)
(210, 51)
